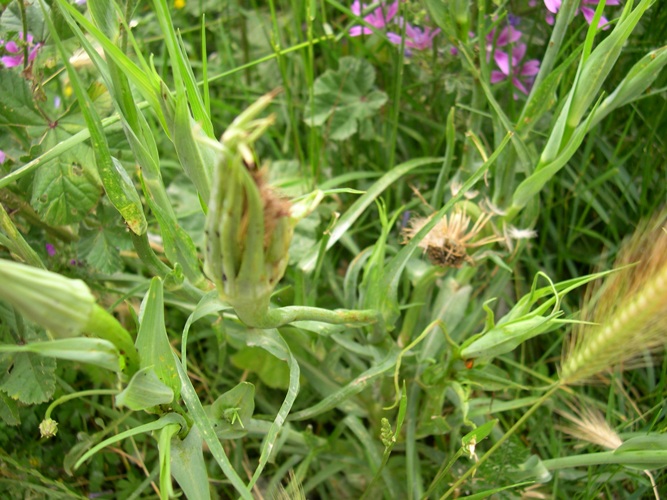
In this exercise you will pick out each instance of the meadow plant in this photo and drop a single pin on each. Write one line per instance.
(332, 250)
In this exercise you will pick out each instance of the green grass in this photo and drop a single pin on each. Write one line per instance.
(366, 377)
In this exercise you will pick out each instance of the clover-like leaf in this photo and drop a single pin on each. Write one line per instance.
(345, 98)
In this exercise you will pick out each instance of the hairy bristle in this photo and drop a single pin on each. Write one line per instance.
(629, 309)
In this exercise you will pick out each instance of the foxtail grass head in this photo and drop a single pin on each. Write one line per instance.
(627, 313)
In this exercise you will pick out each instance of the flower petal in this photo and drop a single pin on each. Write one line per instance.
(497, 76)
(517, 83)
(11, 61)
(552, 5)
(503, 61)
(530, 68)
(394, 38)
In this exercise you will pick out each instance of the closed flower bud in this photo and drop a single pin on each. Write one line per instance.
(48, 428)
(248, 225)
(61, 305)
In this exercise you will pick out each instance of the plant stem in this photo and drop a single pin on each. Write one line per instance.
(75, 395)
(648, 458)
(103, 325)
(274, 318)
(499, 443)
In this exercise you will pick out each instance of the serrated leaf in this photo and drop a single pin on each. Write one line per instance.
(231, 411)
(345, 97)
(31, 380)
(17, 106)
(9, 410)
(100, 246)
(62, 194)
(144, 391)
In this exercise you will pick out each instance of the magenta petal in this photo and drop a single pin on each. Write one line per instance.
(552, 5)
(508, 35)
(517, 83)
(33, 52)
(517, 54)
(497, 76)
(394, 38)
(356, 30)
(11, 61)
(503, 61)
(3, 157)
(588, 14)
(12, 47)
(356, 8)
(360, 30)
(550, 19)
(530, 68)
(391, 11)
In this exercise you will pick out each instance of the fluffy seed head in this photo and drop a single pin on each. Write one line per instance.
(447, 244)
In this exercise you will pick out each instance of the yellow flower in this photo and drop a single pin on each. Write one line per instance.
(179, 4)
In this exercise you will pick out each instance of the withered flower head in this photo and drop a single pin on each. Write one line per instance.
(447, 244)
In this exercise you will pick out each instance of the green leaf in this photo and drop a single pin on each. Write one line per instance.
(32, 378)
(16, 102)
(233, 410)
(168, 419)
(152, 339)
(270, 370)
(95, 351)
(62, 193)
(9, 410)
(188, 466)
(200, 418)
(100, 245)
(345, 97)
(144, 391)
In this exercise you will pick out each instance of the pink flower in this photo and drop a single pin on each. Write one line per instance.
(507, 36)
(379, 18)
(16, 51)
(3, 157)
(521, 74)
(553, 6)
(50, 249)
(416, 38)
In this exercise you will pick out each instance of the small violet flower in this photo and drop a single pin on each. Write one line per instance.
(553, 6)
(521, 73)
(50, 249)
(15, 51)
(379, 18)
(416, 38)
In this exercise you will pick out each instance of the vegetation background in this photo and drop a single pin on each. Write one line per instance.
(545, 130)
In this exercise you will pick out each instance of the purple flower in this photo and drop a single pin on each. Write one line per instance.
(521, 73)
(379, 18)
(50, 249)
(416, 38)
(15, 57)
(3, 157)
(553, 6)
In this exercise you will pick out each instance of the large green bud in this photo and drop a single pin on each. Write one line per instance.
(61, 305)
(65, 307)
(248, 226)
